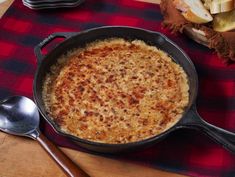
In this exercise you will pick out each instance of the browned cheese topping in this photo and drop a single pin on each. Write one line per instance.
(116, 91)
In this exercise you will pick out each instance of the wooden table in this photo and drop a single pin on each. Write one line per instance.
(23, 157)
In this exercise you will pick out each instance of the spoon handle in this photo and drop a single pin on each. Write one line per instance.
(66, 164)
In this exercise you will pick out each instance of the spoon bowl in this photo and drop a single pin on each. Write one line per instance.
(19, 116)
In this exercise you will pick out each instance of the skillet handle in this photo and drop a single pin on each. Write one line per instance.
(66, 164)
(219, 135)
(41, 45)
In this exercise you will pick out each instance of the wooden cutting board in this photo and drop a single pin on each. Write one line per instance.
(23, 157)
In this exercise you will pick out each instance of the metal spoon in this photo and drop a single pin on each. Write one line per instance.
(19, 116)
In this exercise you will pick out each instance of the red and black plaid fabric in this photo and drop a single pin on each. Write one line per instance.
(184, 151)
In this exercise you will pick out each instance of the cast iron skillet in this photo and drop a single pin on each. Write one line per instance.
(190, 118)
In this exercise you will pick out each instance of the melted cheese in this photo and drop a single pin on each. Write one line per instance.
(116, 91)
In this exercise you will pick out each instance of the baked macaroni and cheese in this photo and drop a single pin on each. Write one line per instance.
(116, 91)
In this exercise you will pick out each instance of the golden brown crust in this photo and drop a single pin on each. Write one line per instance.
(116, 91)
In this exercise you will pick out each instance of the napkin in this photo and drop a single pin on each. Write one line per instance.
(222, 42)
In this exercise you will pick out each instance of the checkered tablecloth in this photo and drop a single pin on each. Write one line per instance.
(184, 151)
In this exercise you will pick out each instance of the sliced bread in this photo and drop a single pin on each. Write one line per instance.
(219, 6)
(193, 11)
(224, 21)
